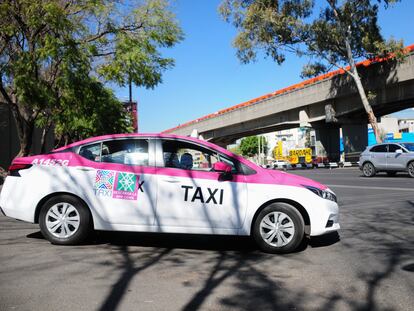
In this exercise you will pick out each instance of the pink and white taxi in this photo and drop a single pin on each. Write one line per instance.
(164, 183)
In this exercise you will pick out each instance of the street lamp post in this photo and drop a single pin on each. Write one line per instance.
(132, 104)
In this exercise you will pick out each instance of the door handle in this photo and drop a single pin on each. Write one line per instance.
(85, 169)
(173, 181)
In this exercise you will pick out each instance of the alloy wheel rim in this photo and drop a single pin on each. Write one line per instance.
(277, 229)
(62, 220)
(368, 169)
(411, 169)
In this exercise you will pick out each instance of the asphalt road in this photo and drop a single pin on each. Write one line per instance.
(370, 266)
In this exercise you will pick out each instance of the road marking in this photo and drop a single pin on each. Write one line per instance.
(372, 188)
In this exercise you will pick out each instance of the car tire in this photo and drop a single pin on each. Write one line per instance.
(65, 220)
(391, 174)
(410, 169)
(278, 229)
(368, 169)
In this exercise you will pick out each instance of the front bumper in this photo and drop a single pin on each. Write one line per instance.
(325, 218)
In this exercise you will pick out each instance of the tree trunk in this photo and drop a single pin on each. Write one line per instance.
(355, 75)
(25, 130)
(26, 139)
(347, 32)
(43, 139)
(372, 119)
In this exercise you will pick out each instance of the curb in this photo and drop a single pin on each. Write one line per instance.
(329, 165)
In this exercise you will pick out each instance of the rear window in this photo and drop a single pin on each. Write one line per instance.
(91, 152)
(379, 148)
(121, 151)
(125, 151)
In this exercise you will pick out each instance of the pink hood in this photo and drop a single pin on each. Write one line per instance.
(282, 178)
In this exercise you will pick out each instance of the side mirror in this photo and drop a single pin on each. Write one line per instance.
(399, 151)
(221, 167)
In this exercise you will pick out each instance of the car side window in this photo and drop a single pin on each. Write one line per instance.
(91, 152)
(393, 148)
(379, 148)
(126, 151)
(184, 155)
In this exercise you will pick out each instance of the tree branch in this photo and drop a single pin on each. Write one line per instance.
(125, 28)
(104, 54)
(4, 93)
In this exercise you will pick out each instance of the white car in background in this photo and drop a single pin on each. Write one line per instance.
(281, 164)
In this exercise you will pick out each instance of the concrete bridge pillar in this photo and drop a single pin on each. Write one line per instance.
(355, 139)
(327, 142)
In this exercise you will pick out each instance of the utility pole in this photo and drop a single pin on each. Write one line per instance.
(133, 106)
(130, 90)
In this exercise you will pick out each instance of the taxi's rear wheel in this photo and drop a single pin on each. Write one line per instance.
(65, 220)
(279, 228)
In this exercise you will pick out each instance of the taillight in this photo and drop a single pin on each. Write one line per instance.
(15, 168)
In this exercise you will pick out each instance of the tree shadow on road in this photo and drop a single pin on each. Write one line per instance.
(233, 274)
(129, 271)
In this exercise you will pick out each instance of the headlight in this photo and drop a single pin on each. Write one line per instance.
(324, 194)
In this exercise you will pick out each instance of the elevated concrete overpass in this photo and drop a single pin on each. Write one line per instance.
(326, 103)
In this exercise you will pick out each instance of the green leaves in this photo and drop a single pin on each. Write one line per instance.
(268, 26)
(96, 109)
(275, 27)
(249, 146)
(131, 50)
(340, 34)
(55, 57)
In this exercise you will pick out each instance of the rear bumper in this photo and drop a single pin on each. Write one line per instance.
(18, 214)
(14, 202)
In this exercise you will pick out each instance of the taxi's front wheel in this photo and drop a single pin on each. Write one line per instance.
(279, 228)
(65, 220)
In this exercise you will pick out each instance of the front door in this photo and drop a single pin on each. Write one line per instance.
(192, 195)
(395, 160)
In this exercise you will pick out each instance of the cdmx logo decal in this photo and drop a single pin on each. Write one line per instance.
(117, 185)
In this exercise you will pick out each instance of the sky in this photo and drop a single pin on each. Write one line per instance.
(207, 75)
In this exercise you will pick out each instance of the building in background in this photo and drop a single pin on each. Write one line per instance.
(393, 129)
(406, 125)
(132, 108)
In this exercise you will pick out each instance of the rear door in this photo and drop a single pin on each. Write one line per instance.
(123, 181)
(378, 156)
(192, 195)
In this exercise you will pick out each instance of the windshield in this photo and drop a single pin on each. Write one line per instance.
(408, 146)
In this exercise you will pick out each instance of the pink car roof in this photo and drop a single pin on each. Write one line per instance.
(154, 135)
